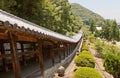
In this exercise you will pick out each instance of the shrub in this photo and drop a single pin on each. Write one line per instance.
(112, 64)
(85, 52)
(110, 49)
(85, 47)
(99, 48)
(87, 72)
(84, 60)
(91, 38)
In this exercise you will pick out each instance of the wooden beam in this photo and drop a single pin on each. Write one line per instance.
(28, 53)
(3, 36)
(5, 55)
(41, 60)
(4, 60)
(15, 59)
(27, 39)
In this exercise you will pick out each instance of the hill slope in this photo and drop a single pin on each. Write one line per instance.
(85, 13)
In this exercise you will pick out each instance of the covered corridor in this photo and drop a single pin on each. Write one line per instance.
(26, 48)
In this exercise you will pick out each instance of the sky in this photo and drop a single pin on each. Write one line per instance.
(108, 9)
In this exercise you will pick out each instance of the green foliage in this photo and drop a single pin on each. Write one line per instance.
(92, 26)
(98, 33)
(111, 56)
(112, 64)
(86, 72)
(105, 29)
(110, 30)
(55, 15)
(98, 47)
(91, 38)
(85, 30)
(70, 34)
(85, 14)
(114, 31)
(85, 47)
(84, 60)
(85, 52)
(109, 49)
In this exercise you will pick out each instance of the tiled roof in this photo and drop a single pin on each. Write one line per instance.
(4, 16)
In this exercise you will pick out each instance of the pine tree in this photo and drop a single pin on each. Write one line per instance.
(92, 26)
(114, 31)
(105, 29)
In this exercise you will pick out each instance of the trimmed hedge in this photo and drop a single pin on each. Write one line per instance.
(84, 60)
(85, 52)
(87, 72)
(85, 47)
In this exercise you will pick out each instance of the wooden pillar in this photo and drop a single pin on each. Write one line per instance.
(4, 60)
(40, 55)
(72, 47)
(35, 55)
(64, 51)
(15, 60)
(68, 50)
(52, 55)
(59, 53)
(23, 56)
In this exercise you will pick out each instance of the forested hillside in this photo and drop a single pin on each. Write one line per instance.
(55, 15)
(85, 13)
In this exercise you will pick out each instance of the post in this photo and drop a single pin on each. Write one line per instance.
(52, 55)
(59, 55)
(68, 49)
(23, 56)
(4, 60)
(40, 54)
(64, 51)
(35, 55)
(15, 59)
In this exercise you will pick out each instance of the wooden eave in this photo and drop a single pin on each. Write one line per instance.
(30, 32)
(26, 35)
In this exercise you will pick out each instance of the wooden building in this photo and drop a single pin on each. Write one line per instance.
(23, 43)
